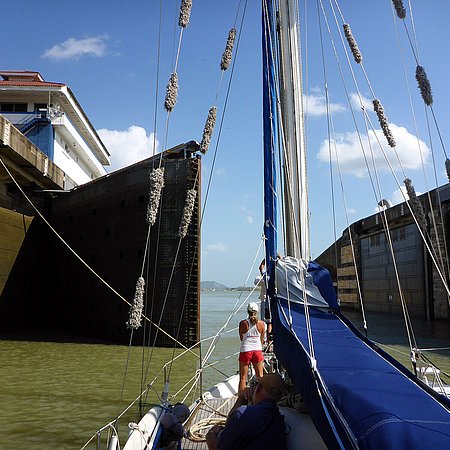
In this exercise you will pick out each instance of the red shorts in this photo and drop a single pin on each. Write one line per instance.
(253, 357)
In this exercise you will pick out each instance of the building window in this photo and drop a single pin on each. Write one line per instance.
(38, 106)
(13, 107)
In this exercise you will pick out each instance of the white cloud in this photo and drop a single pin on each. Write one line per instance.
(76, 48)
(356, 101)
(218, 247)
(250, 219)
(351, 157)
(351, 210)
(316, 105)
(129, 146)
(398, 196)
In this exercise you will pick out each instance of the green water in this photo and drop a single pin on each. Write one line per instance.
(56, 395)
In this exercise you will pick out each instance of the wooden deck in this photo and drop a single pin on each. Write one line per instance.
(213, 408)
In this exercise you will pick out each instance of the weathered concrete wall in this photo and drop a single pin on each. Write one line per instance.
(13, 230)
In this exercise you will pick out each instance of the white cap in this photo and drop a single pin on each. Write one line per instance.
(252, 307)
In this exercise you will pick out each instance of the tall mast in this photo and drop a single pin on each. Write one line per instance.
(270, 133)
(293, 132)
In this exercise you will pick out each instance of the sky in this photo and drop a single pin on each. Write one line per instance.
(106, 51)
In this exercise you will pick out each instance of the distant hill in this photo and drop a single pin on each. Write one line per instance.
(212, 285)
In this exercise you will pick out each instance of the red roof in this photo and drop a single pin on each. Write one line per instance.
(30, 83)
(24, 78)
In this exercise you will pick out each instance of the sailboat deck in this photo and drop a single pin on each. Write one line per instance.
(217, 408)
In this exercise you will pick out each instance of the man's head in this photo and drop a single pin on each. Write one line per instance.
(270, 386)
(252, 308)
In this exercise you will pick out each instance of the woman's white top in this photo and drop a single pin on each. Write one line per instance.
(252, 339)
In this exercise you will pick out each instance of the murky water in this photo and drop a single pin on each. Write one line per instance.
(55, 395)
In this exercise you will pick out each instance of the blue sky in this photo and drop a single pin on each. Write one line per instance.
(106, 51)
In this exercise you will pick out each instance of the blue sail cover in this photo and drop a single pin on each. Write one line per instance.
(359, 397)
(270, 133)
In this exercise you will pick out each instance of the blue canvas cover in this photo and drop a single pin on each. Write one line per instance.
(358, 397)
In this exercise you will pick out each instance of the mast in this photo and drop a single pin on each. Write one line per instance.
(270, 133)
(293, 132)
(283, 114)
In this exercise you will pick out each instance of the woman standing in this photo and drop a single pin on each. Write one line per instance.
(251, 333)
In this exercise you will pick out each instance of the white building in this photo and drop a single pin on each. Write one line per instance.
(49, 115)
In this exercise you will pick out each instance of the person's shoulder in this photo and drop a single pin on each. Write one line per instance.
(243, 325)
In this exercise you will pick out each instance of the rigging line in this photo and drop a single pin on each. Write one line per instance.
(359, 138)
(441, 212)
(268, 43)
(186, 293)
(124, 377)
(434, 349)
(223, 71)
(234, 311)
(158, 66)
(280, 179)
(361, 102)
(347, 94)
(344, 200)
(220, 332)
(169, 283)
(194, 381)
(416, 57)
(327, 100)
(182, 354)
(411, 16)
(168, 288)
(414, 217)
(194, 384)
(344, 46)
(218, 88)
(66, 244)
(223, 114)
(144, 331)
(221, 122)
(179, 49)
(441, 258)
(408, 324)
(343, 21)
(415, 51)
(73, 251)
(438, 130)
(166, 133)
(155, 268)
